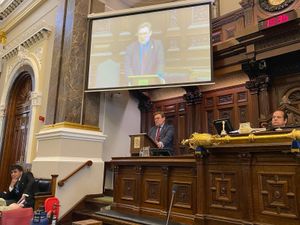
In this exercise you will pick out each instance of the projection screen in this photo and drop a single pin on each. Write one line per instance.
(151, 47)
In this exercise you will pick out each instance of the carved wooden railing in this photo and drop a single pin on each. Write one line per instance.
(63, 181)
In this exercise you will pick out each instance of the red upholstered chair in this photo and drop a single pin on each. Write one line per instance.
(21, 216)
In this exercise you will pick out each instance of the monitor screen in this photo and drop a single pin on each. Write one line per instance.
(160, 152)
(219, 125)
(155, 46)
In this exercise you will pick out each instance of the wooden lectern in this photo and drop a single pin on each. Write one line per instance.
(138, 141)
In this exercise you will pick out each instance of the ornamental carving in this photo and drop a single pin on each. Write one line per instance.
(193, 95)
(152, 190)
(128, 189)
(2, 111)
(260, 83)
(34, 34)
(10, 8)
(223, 190)
(275, 5)
(294, 97)
(145, 103)
(277, 194)
(183, 196)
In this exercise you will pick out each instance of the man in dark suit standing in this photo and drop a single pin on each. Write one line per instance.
(145, 56)
(20, 190)
(162, 133)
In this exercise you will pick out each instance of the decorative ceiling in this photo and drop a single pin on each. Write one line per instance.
(7, 7)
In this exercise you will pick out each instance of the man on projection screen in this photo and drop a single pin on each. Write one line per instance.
(144, 57)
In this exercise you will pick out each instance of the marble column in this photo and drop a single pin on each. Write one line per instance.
(68, 141)
(67, 82)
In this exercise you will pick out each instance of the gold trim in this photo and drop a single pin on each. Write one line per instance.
(295, 150)
(205, 140)
(71, 125)
(2, 37)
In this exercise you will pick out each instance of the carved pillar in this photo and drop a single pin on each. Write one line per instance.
(66, 90)
(139, 183)
(245, 160)
(201, 190)
(165, 188)
(193, 99)
(258, 86)
(247, 5)
(116, 194)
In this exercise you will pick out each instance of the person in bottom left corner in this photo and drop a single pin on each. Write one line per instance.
(20, 190)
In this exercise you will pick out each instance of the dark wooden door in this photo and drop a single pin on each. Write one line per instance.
(16, 127)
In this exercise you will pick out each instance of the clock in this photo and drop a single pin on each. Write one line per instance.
(275, 5)
(275, 2)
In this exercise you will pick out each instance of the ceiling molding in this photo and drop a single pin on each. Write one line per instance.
(32, 36)
(9, 8)
(18, 14)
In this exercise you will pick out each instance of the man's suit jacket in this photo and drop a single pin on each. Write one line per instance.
(153, 59)
(24, 186)
(166, 135)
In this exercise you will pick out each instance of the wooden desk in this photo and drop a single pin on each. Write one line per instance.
(231, 184)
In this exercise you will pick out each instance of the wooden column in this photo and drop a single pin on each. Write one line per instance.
(193, 98)
(258, 86)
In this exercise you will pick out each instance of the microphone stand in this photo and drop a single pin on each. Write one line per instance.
(171, 203)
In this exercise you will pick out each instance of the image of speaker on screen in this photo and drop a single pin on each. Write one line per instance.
(144, 58)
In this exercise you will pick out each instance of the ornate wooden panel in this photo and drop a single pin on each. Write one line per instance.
(184, 195)
(251, 183)
(232, 102)
(158, 178)
(225, 99)
(152, 191)
(152, 188)
(128, 187)
(243, 114)
(223, 190)
(277, 194)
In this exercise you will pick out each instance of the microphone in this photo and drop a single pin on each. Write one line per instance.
(174, 190)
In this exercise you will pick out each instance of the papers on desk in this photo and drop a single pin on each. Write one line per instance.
(245, 128)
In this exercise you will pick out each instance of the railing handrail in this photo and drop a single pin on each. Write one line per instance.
(62, 181)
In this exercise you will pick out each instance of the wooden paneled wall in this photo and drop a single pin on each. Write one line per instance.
(232, 102)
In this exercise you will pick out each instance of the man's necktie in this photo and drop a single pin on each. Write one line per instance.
(17, 190)
(157, 136)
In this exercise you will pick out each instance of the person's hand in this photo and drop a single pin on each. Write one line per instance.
(22, 200)
(13, 182)
(160, 145)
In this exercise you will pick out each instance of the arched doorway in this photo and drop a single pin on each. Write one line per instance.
(16, 126)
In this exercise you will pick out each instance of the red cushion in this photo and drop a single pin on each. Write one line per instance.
(21, 216)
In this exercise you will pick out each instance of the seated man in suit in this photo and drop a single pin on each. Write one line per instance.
(20, 190)
(279, 119)
(162, 133)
